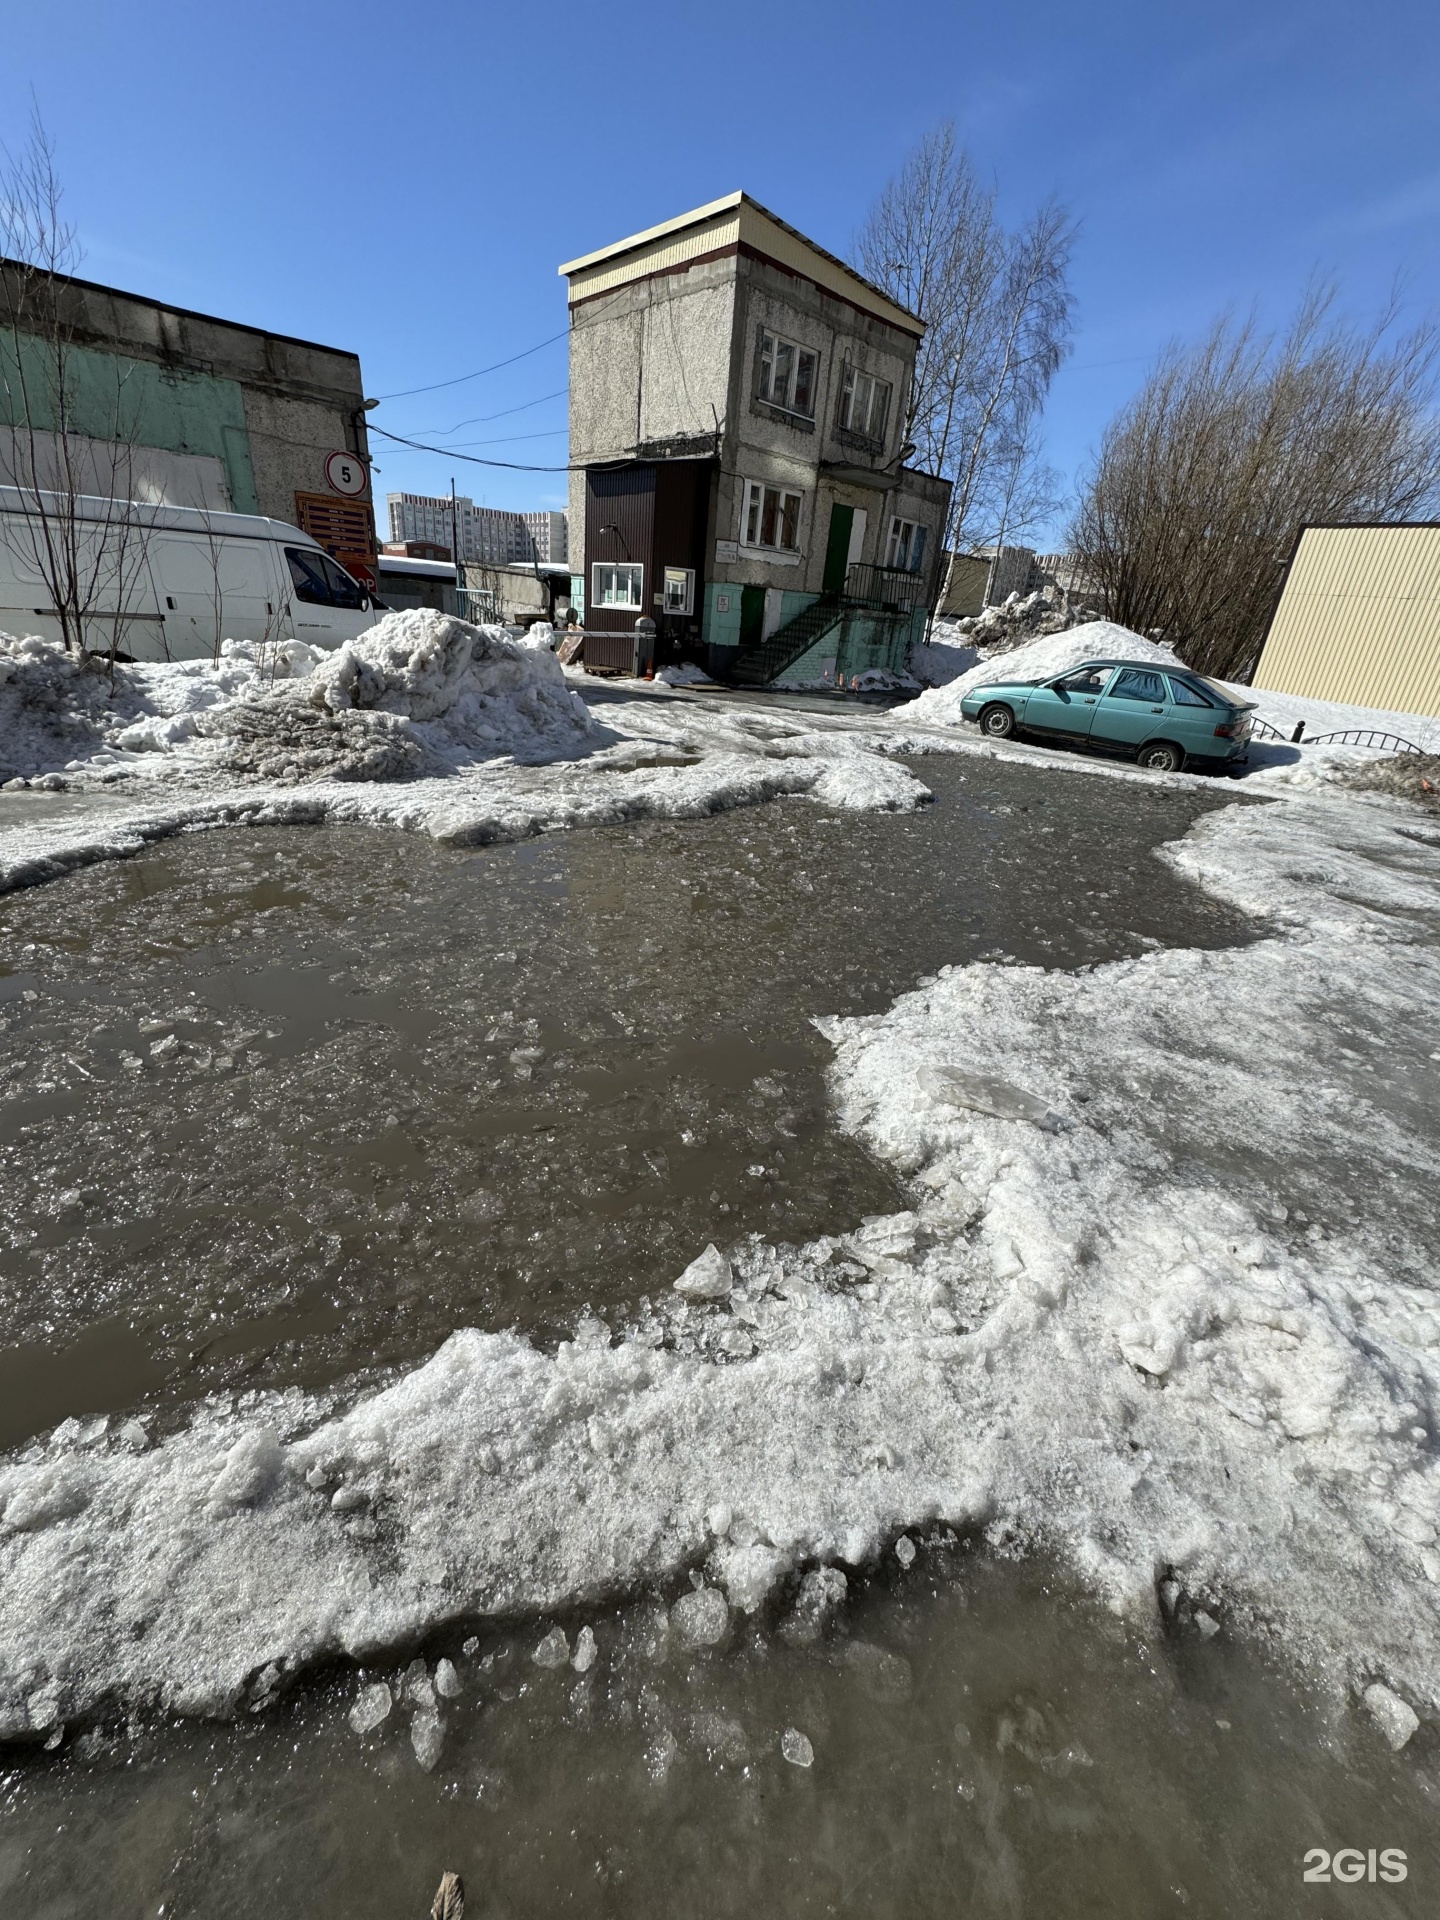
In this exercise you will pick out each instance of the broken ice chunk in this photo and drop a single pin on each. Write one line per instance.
(700, 1618)
(585, 1650)
(427, 1736)
(796, 1748)
(447, 1680)
(822, 1591)
(1396, 1719)
(553, 1650)
(981, 1094)
(371, 1708)
(252, 1466)
(707, 1278)
(905, 1550)
(718, 1519)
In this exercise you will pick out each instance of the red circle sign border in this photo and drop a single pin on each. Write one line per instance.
(349, 493)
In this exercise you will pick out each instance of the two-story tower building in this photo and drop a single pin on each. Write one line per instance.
(737, 405)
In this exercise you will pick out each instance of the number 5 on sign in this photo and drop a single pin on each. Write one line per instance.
(1350, 1864)
(346, 474)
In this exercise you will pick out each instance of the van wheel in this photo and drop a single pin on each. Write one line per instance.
(997, 721)
(1161, 757)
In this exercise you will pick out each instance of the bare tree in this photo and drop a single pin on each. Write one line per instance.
(73, 527)
(997, 312)
(1205, 478)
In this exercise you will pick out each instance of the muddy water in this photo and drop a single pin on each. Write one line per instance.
(980, 1743)
(284, 1105)
(290, 1105)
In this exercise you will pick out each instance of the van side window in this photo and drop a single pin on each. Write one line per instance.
(306, 571)
(344, 592)
(322, 582)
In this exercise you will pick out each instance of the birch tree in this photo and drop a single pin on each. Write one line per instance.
(1205, 478)
(998, 317)
(73, 526)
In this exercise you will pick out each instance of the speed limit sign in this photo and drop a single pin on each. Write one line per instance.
(346, 474)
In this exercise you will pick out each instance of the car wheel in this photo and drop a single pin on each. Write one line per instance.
(1161, 757)
(997, 721)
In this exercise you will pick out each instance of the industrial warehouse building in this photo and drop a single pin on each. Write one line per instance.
(178, 408)
(737, 410)
(1358, 619)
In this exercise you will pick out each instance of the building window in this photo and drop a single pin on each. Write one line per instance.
(905, 551)
(864, 404)
(620, 586)
(679, 590)
(772, 517)
(787, 374)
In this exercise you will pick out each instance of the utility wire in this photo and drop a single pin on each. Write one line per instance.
(471, 459)
(461, 378)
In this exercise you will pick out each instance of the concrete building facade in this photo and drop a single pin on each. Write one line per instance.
(183, 409)
(737, 400)
(487, 536)
(1358, 619)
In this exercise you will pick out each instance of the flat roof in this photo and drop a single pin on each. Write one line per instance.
(735, 220)
(183, 313)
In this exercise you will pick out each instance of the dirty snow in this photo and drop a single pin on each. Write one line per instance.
(1037, 660)
(1164, 1306)
(423, 723)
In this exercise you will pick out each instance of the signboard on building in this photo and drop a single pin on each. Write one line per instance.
(346, 530)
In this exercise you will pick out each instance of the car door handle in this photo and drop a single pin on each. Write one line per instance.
(1157, 709)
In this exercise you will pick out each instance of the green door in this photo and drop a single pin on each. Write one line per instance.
(837, 548)
(752, 615)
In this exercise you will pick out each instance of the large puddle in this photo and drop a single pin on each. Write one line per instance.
(284, 1105)
(290, 1105)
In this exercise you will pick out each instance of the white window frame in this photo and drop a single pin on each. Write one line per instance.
(857, 382)
(684, 577)
(904, 553)
(636, 571)
(752, 512)
(783, 395)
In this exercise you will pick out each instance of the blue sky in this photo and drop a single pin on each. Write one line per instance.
(404, 181)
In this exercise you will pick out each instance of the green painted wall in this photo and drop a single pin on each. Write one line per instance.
(112, 397)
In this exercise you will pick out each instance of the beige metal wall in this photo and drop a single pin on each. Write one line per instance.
(1359, 620)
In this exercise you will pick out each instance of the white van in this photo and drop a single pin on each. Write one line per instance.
(169, 583)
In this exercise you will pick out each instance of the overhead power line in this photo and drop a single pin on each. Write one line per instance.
(461, 378)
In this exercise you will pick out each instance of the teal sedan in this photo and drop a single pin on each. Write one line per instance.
(1161, 718)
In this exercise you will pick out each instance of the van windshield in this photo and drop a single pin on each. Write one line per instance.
(320, 582)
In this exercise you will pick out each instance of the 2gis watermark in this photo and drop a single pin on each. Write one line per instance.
(1351, 1864)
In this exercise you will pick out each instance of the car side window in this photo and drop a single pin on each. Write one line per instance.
(1131, 684)
(1184, 695)
(307, 574)
(1084, 680)
(344, 592)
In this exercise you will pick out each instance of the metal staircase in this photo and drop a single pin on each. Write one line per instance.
(757, 665)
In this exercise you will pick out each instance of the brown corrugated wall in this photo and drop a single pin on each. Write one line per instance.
(1359, 620)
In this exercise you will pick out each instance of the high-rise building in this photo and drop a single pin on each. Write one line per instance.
(487, 536)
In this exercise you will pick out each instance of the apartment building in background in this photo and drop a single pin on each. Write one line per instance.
(737, 408)
(487, 536)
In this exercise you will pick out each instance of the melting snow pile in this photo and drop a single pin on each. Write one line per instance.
(943, 657)
(1165, 1305)
(1039, 660)
(421, 692)
(1023, 617)
(53, 707)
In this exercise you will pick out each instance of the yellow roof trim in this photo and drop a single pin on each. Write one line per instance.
(723, 223)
